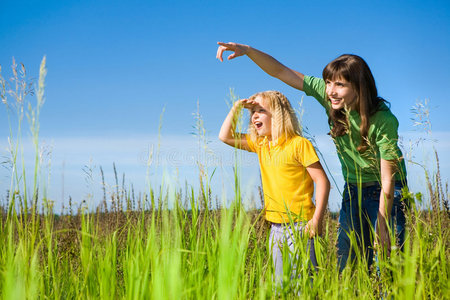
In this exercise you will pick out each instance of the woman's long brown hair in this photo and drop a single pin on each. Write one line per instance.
(355, 70)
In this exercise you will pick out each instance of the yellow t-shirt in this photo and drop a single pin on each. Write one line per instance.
(288, 188)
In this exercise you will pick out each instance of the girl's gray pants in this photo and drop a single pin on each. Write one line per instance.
(282, 235)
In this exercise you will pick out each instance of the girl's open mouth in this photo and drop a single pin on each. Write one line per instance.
(258, 125)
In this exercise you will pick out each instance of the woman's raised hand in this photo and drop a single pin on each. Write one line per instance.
(266, 62)
(238, 50)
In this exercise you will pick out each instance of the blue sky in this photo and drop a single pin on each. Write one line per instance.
(114, 65)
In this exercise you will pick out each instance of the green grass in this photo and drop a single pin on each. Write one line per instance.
(185, 254)
(148, 251)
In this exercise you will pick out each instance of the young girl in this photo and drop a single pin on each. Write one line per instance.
(289, 169)
(365, 134)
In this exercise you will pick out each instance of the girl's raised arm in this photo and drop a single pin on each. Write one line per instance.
(266, 62)
(228, 133)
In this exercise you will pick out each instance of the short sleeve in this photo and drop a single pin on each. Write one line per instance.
(250, 143)
(315, 87)
(305, 152)
(387, 138)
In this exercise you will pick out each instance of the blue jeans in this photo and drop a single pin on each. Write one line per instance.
(359, 218)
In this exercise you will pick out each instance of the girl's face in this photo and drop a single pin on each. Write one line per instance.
(341, 93)
(261, 118)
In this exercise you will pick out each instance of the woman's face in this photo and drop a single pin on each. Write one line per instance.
(341, 93)
(261, 118)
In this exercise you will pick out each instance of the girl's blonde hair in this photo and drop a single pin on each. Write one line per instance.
(284, 120)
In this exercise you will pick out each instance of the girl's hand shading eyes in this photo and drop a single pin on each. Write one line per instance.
(248, 104)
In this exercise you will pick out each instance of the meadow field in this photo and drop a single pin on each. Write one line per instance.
(172, 242)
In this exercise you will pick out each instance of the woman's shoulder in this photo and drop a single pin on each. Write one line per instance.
(384, 122)
(315, 87)
(384, 115)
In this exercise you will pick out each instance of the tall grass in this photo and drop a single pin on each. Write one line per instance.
(186, 250)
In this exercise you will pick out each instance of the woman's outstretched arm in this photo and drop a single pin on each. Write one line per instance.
(266, 62)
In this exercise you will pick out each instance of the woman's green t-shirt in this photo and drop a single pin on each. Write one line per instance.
(382, 135)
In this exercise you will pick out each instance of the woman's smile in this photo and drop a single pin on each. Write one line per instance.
(340, 94)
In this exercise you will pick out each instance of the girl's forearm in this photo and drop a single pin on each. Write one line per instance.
(322, 193)
(228, 127)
